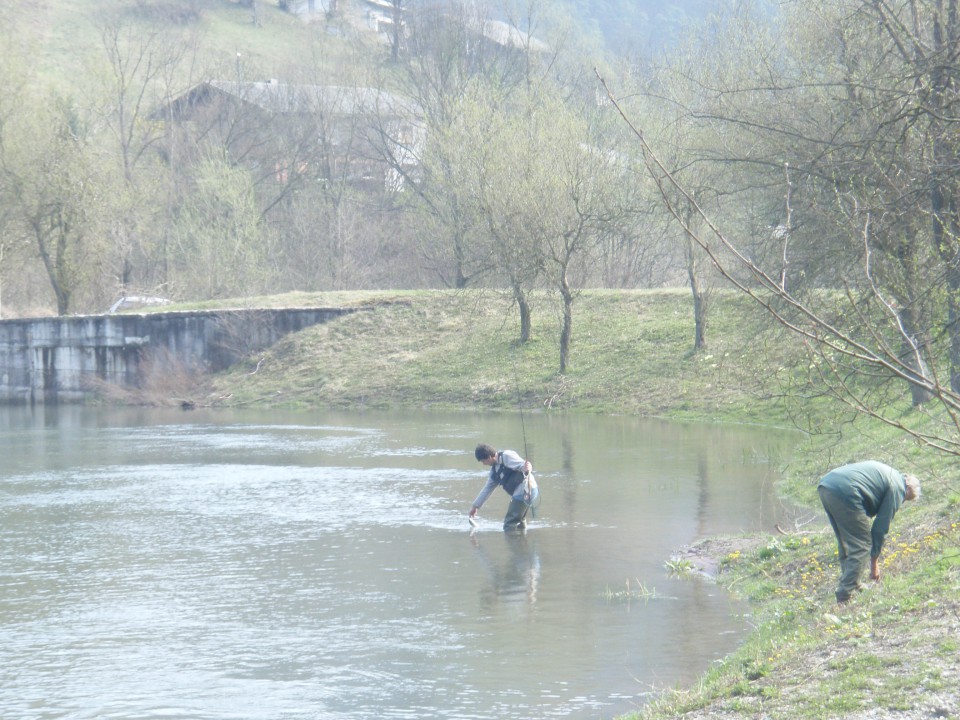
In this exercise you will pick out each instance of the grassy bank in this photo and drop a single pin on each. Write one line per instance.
(891, 653)
(631, 353)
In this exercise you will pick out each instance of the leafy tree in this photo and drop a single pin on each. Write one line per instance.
(142, 69)
(839, 124)
(511, 171)
(585, 193)
(58, 192)
(8, 105)
(499, 169)
(222, 250)
(446, 66)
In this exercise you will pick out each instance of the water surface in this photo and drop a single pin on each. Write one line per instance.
(160, 564)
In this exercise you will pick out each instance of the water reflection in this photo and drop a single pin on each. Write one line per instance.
(513, 577)
(320, 565)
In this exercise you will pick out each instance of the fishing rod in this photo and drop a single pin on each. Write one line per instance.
(534, 502)
(523, 427)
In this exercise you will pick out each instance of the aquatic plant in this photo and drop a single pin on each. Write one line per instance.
(679, 566)
(630, 592)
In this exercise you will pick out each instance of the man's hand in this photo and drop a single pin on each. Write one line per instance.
(874, 568)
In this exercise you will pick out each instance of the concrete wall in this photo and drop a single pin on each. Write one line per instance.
(51, 360)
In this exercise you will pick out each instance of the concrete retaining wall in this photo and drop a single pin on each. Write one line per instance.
(54, 360)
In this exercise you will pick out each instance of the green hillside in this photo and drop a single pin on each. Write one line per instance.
(631, 354)
(57, 37)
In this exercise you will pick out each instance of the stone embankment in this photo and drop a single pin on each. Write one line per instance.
(60, 360)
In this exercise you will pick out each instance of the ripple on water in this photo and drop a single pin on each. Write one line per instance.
(328, 571)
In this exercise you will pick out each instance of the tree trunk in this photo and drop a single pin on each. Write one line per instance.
(911, 355)
(943, 193)
(54, 262)
(567, 330)
(699, 316)
(953, 323)
(461, 280)
(700, 305)
(395, 41)
(523, 304)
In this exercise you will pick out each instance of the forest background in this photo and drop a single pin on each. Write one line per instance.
(804, 153)
(526, 159)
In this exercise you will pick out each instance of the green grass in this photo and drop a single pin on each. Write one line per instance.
(808, 658)
(631, 354)
(63, 38)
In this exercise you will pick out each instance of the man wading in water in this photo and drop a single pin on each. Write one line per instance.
(515, 476)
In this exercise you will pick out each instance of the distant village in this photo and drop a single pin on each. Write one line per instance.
(381, 17)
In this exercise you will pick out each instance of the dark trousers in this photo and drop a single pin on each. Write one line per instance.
(852, 527)
(515, 518)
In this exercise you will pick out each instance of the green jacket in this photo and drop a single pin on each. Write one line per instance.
(877, 488)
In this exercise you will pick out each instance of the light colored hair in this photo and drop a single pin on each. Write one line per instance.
(913, 484)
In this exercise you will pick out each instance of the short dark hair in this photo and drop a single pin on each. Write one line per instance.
(483, 452)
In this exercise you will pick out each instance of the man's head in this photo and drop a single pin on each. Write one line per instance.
(913, 487)
(485, 453)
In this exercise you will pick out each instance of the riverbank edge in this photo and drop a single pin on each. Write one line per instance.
(441, 349)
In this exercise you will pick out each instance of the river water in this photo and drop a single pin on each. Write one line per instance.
(319, 565)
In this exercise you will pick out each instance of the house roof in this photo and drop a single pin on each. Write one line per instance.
(283, 98)
(510, 36)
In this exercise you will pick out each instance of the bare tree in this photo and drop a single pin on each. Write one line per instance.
(58, 192)
(447, 59)
(223, 249)
(585, 194)
(696, 276)
(142, 71)
(859, 98)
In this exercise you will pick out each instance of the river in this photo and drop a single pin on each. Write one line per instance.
(319, 565)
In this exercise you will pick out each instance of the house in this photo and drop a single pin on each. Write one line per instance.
(507, 36)
(360, 136)
(499, 36)
(308, 8)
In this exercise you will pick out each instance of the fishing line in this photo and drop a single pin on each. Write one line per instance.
(523, 427)
(534, 500)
